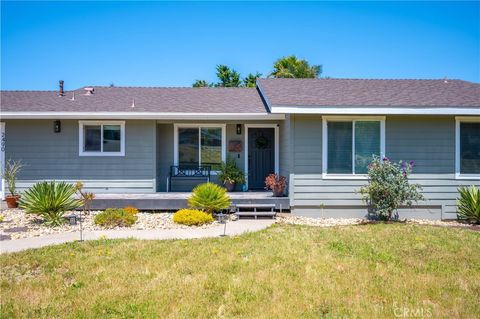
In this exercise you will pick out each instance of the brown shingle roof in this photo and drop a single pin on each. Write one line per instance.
(361, 92)
(119, 99)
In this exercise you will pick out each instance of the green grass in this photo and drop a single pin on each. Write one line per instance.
(370, 271)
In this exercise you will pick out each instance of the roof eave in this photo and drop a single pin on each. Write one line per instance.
(380, 110)
(141, 115)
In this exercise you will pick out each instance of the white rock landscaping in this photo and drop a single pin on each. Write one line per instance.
(17, 224)
(321, 222)
(330, 222)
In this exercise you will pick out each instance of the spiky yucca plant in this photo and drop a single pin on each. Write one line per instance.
(468, 205)
(50, 200)
(210, 198)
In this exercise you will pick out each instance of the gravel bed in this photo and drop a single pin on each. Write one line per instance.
(17, 224)
(321, 222)
(330, 222)
(443, 223)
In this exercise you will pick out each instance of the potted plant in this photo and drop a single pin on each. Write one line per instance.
(230, 175)
(276, 183)
(10, 174)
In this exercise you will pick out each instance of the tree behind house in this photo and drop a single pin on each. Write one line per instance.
(201, 84)
(227, 77)
(250, 81)
(292, 67)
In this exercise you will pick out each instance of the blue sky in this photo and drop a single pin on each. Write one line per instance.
(172, 44)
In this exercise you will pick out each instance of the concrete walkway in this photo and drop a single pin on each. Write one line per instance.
(233, 228)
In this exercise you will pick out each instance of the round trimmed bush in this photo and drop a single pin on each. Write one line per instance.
(192, 217)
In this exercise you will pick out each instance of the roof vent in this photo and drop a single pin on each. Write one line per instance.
(133, 103)
(445, 80)
(89, 91)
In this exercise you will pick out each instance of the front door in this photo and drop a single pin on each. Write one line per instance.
(261, 156)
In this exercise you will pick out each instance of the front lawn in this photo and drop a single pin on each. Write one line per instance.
(369, 271)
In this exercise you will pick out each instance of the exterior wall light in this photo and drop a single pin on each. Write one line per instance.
(57, 126)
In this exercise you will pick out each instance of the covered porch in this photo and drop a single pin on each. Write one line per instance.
(190, 153)
(177, 200)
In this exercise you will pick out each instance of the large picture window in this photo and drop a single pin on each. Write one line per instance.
(468, 147)
(200, 145)
(101, 138)
(349, 144)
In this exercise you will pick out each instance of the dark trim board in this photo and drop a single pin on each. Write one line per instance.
(175, 201)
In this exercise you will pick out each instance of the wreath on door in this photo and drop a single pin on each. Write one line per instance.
(261, 142)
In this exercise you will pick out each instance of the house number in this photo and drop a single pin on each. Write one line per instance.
(3, 142)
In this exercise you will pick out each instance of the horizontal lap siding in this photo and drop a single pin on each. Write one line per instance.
(307, 144)
(428, 141)
(102, 186)
(55, 156)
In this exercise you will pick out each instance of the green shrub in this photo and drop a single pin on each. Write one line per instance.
(388, 187)
(50, 200)
(131, 210)
(229, 172)
(468, 205)
(210, 198)
(115, 217)
(12, 168)
(192, 217)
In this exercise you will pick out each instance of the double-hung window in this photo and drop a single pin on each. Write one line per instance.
(202, 145)
(349, 145)
(101, 138)
(467, 154)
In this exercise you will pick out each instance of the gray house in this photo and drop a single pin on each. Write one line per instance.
(319, 133)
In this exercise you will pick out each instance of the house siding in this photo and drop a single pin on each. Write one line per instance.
(428, 141)
(55, 156)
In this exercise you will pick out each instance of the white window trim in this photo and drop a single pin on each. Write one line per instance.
(276, 150)
(176, 126)
(81, 151)
(458, 120)
(325, 120)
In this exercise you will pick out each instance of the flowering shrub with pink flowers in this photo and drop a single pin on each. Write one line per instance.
(388, 187)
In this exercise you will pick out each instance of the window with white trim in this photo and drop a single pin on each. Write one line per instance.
(200, 145)
(350, 144)
(102, 138)
(468, 147)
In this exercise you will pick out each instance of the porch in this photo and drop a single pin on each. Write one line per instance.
(177, 200)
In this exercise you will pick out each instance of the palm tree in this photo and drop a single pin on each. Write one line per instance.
(228, 77)
(250, 81)
(200, 84)
(292, 67)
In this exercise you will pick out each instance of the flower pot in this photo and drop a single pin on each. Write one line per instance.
(278, 192)
(12, 201)
(229, 186)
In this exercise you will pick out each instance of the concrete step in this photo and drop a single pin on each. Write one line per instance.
(255, 214)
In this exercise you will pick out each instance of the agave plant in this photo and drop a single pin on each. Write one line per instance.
(50, 200)
(210, 198)
(468, 205)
